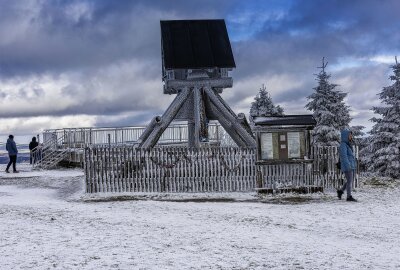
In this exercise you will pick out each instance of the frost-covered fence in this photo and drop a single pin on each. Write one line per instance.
(306, 175)
(213, 169)
(292, 176)
(325, 159)
(169, 169)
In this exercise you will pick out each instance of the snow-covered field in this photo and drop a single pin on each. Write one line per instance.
(47, 222)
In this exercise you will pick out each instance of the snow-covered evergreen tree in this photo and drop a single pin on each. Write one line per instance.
(329, 110)
(362, 142)
(358, 133)
(263, 105)
(365, 154)
(384, 147)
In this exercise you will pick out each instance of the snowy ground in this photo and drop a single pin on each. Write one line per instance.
(47, 222)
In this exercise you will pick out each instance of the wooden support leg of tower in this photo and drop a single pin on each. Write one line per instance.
(226, 125)
(243, 121)
(226, 106)
(241, 117)
(191, 134)
(199, 118)
(249, 140)
(166, 119)
(150, 127)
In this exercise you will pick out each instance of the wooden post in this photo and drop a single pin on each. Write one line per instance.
(191, 134)
(90, 136)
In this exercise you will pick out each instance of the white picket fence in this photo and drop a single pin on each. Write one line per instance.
(212, 169)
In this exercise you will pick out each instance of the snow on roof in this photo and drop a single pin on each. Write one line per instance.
(306, 119)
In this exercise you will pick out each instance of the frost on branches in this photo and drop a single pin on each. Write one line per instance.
(329, 110)
(263, 106)
(384, 147)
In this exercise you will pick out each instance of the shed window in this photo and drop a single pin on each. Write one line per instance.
(266, 146)
(293, 144)
(271, 146)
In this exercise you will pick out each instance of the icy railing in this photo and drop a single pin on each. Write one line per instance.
(176, 133)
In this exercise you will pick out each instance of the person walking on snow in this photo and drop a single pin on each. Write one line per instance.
(32, 148)
(347, 164)
(11, 148)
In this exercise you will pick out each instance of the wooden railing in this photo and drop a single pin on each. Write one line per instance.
(177, 169)
(325, 159)
(213, 169)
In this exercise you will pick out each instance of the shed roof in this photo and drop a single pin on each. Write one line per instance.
(293, 120)
(191, 44)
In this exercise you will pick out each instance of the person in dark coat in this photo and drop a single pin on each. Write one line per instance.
(347, 164)
(12, 153)
(32, 148)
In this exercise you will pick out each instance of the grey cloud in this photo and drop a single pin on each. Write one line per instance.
(30, 93)
(51, 39)
(38, 92)
(128, 119)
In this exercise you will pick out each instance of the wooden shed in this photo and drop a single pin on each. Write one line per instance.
(284, 152)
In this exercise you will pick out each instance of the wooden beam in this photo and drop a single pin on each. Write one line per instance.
(150, 127)
(200, 117)
(166, 119)
(236, 125)
(200, 82)
(227, 126)
(197, 116)
(191, 134)
(243, 121)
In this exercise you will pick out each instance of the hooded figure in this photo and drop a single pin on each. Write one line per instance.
(347, 163)
(32, 147)
(12, 153)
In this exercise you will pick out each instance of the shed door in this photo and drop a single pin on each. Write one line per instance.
(283, 147)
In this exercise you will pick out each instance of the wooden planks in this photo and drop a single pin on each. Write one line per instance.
(169, 169)
(211, 169)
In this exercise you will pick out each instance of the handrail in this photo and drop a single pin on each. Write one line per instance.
(112, 128)
(82, 137)
(45, 151)
(58, 142)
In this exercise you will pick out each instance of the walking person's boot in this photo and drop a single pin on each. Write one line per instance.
(339, 194)
(7, 171)
(351, 199)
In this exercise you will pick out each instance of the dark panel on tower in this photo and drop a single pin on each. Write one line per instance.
(191, 44)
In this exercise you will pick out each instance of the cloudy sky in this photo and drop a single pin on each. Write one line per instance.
(98, 63)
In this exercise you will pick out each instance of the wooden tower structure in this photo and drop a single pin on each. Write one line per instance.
(196, 60)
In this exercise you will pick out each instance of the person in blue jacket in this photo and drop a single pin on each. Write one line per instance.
(347, 164)
(11, 148)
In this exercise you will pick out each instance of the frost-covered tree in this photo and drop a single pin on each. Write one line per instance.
(362, 142)
(384, 147)
(329, 110)
(365, 154)
(358, 133)
(263, 105)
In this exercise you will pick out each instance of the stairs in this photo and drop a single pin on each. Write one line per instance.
(50, 153)
(52, 159)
